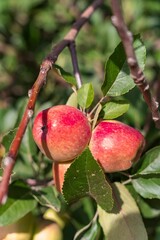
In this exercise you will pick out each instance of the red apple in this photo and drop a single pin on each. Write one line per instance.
(59, 170)
(116, 145)
(61, 132)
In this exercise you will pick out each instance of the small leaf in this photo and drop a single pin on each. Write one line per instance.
(19, 203)
(117, 74)
(8, 138)
(72, 100)
(114, 109)
(85, 95)
(85, 177)
(48, 197)
(147, 187)
(124, 221)
(65, 76)
(150, 162)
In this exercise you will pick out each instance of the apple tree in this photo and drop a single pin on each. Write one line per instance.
(79, 146)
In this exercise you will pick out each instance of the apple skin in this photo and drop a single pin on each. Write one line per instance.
(47, 230)
(59, 170)
(61, 132)
(20, 230)
(115, 145)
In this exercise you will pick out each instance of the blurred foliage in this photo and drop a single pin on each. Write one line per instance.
(28, 30)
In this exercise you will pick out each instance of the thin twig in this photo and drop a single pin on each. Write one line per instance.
(136, 72)
(72, 48)
(10, 159)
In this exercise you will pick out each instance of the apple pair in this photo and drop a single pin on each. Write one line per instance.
(62, 133)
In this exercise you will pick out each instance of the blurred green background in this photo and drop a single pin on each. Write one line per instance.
(29, 29)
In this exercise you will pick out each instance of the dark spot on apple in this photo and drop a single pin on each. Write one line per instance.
(43, 128)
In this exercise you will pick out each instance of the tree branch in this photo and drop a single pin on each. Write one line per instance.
(136, 72)
(10, 159)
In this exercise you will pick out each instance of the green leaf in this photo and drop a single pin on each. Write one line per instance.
(117, 75)
(19, 203)
(114, 109)
(72, 100)
(48, 197)
(148, 187)
(20, 110)
(124, 221)
(90, 231)
(85, 177)
(150, 162)
(85, 95)
(8, 138)
(150, 208)
(63, 75)
(28, 147)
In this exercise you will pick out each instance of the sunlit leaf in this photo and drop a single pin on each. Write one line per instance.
(117, 74)
(124, 221)
(85, 95)
(114, 109)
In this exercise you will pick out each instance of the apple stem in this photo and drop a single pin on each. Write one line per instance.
(135, 70)
(96, 106)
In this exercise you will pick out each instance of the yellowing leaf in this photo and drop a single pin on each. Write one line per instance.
(124, 222)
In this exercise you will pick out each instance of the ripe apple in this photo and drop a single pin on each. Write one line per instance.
(20, 230)
(47, 230)
(59, 170)
(115, 145)
(61, 132)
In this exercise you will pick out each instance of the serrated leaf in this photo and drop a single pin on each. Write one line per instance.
(8, 138)
(88, 232)
(19, 203)
(150, 162)
(114, 109)
(117, 75)
(85, 177)
(85, 95)
(65, 76)
(72, 100)
(48, 197)
(124, 221)
(147, 187)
